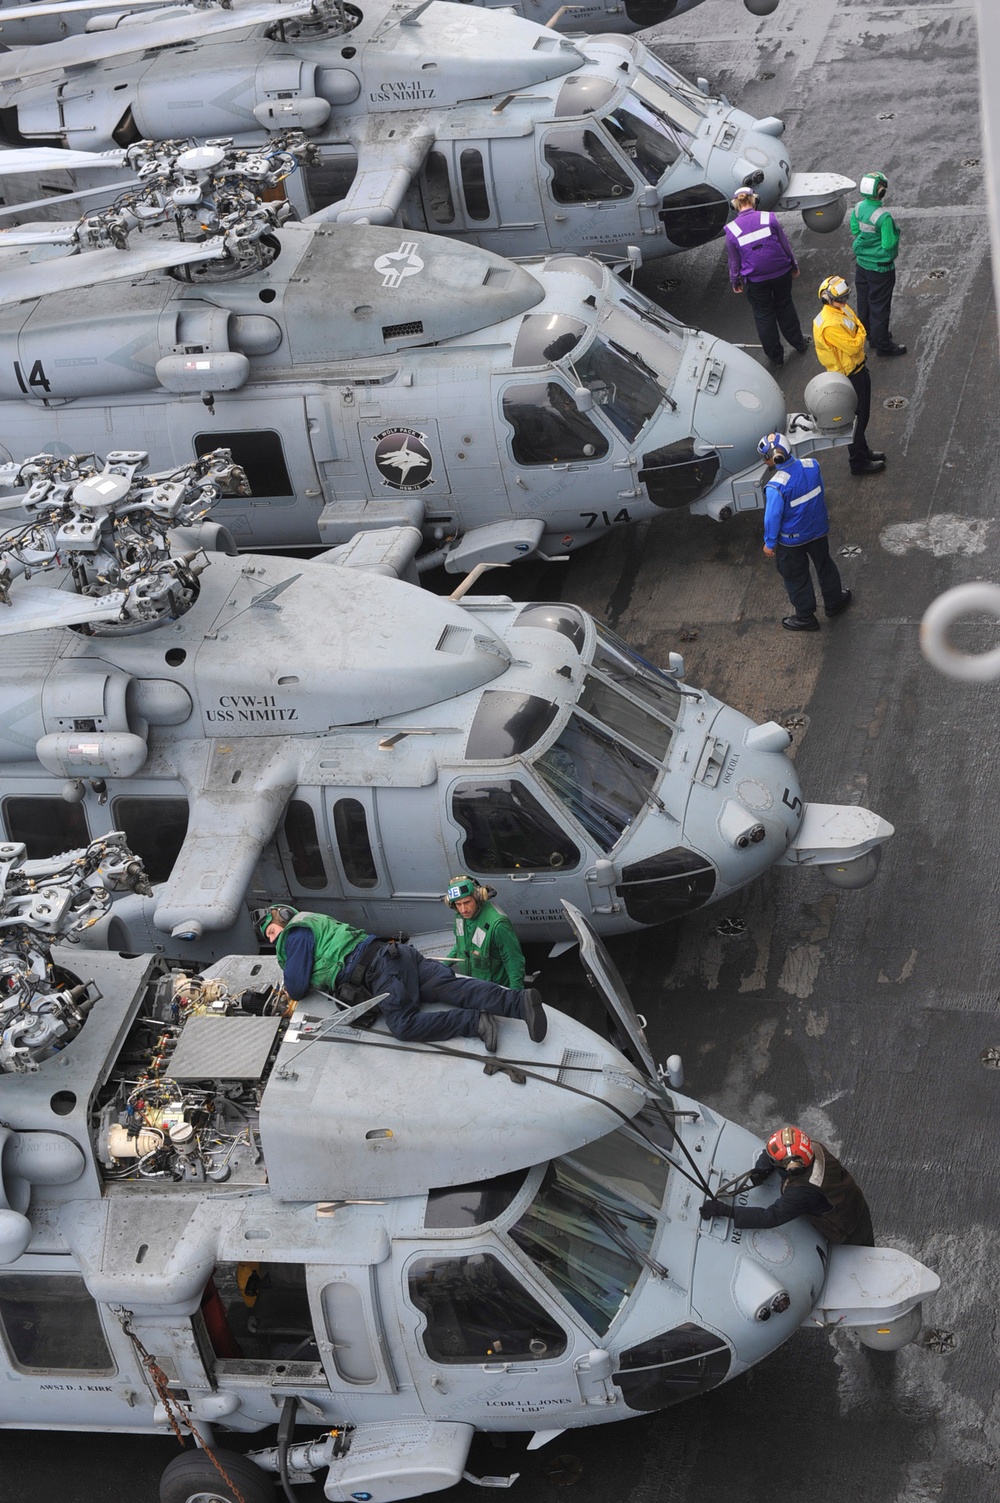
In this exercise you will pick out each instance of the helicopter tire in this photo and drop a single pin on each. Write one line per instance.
(191, 1478)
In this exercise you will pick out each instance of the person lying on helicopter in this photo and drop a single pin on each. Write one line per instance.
(486, 943)
(814, 1184)
(315, 950)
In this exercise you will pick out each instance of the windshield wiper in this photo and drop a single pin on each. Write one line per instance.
(611, 1223)
(633, 355)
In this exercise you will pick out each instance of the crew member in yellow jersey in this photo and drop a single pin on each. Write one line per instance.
(839, 337)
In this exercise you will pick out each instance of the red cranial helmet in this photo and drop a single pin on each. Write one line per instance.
(790, 1148)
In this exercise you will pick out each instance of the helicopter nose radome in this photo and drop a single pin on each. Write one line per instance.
(737, 404)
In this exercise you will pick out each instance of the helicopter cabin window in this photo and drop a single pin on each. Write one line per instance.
(587, 1240)
(477, 201)
(508, 830)
(478, 1311)
(667, 885)
(621, 663)
(473, 1205)
(508, 724)
(643, 138)
(623, 718)
(598, 779)
(683, 1362)
(437, 188)
(622, 384)
(347, 1332)
(350, 824)
(547, 427)
(155, 829)
(330, 179)
(50, 1324)
(47, 826)
(259, 1312)
(260, 455)
(584, 168)
(304, 847)
(546, 336)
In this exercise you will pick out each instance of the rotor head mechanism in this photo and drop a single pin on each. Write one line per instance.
(118, 532)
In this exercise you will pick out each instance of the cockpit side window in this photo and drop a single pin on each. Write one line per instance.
(50, 1323)
(584, 169)
(601, 782)
(477, 1311)
(507, 829)
(547, 427)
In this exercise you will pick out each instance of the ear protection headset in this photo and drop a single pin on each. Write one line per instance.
(466, 887)
(280, 913)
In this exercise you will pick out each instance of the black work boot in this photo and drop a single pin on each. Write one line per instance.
(534, 1015)
(841, 605)
(488, 1031)
(800, 623)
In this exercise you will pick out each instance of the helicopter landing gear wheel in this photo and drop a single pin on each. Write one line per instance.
(191, 1478)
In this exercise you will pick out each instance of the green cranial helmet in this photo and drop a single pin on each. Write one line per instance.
(280, 913)
(874, 185)
(462, 887)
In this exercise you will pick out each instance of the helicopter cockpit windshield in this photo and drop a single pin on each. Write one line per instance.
(590, 1227)
(669, 94)
(622, 385)
(605, 762)
(639, 131)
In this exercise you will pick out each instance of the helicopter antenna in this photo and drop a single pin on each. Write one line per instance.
(115, 529)
(42, 902)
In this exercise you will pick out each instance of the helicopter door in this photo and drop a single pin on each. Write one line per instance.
(457, 190)
(349, 1326)
(266, 438)
(256, 1327)
(586, 185)
(607, 982)
(480, 1330)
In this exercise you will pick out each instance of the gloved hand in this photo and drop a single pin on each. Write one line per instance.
(712, 1208)
(757, 1176)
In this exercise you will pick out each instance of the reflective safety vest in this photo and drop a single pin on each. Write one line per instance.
(757, 247)
(794, 504)
(875, 236)
(334, 942)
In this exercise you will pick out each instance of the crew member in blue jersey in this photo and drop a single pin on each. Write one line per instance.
(795, 532)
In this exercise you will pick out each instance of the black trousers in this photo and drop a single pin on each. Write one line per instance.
(410, 978)
(793, 566)
(858, 450)
(875, 304)
(773, 309)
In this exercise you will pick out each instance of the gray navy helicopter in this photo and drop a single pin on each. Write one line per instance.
(36, 21)
(479, 126)
(218, 1214)
(323, 732)
(367, 377)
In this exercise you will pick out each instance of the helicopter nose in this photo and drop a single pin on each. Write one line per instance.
(736, 406)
